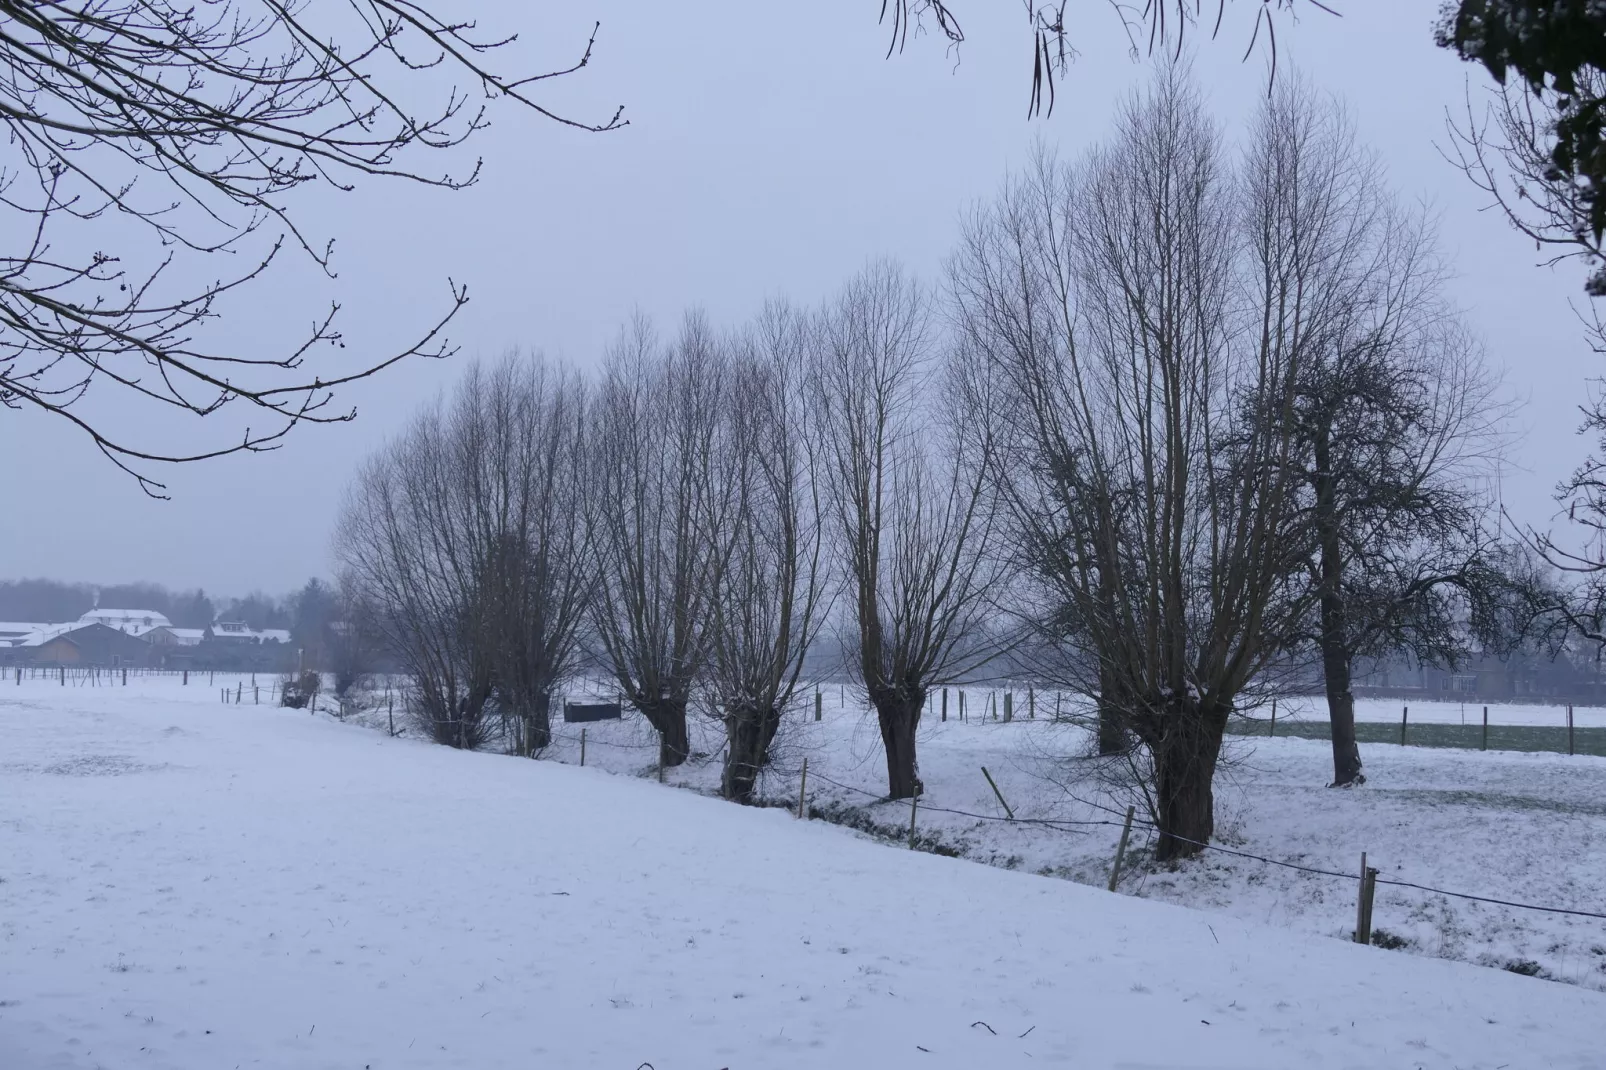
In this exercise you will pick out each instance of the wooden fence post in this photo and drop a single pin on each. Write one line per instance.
(1486, 728)
(1363, 905)
(817, 699)
(914, 801)
(390, 715)
(803, 792)
(583, 747)
(994, 785)
(1273, 733)
(1009, 706)
(1569, 728)
(945, 704)
(186, 677)
(1120, 850)
(1031, 703)
(1371, 896)
(1405, 715)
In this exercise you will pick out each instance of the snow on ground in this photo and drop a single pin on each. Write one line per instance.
(1469, 712)
(1522, 827)
(190, 885)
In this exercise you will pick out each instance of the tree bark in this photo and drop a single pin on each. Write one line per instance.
(538, 723)
(1185, 769)
(669, 718)
(899, 716)
(750, 733)
(1340, 706)
(1334, 640)
(1112, 731)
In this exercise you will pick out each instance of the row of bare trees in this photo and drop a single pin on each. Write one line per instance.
(1179, 414)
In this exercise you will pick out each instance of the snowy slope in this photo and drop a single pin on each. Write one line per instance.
(187, 885)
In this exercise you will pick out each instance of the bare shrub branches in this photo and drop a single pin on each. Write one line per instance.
(1158, 27)
(148, 136)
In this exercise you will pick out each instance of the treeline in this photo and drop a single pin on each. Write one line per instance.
(303, 611)
(1176, 417)
(56, 601)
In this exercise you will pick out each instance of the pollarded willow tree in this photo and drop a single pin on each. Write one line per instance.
(465, 539)
(656, 513)
(156, 151)
(1140, 319)
(770, 599)
(905, 492)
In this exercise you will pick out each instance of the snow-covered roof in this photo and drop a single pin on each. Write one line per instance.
(234, 629)
(180, 636)
(11, 629)
(43, 633)
(129, 621)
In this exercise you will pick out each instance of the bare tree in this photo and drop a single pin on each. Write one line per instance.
(523, 495)
(148, 136)
(655, 512)
(904, 484)
(1140, 321)
(770, 598)
(1396, 424)
(463, 536)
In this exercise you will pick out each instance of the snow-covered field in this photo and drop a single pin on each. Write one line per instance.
(190, 885)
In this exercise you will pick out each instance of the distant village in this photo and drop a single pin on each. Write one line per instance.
(144, 638)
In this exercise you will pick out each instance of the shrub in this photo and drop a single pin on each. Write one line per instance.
(296, 690)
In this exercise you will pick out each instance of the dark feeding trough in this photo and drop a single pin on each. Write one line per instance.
(584, 712)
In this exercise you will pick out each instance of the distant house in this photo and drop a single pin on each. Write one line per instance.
(236, 631)
(92, 645)
(135, 622)
(167, 635)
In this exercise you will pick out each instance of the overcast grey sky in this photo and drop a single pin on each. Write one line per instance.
(771, 150)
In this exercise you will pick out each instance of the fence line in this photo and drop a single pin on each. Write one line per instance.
(1316, 870)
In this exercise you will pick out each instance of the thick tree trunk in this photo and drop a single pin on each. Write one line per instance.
(1340, 702)
(538, 723)
(669, 718)
(1112, 732)
(749, 733)
(1185, 771)
(1334, 624)
(899, 715)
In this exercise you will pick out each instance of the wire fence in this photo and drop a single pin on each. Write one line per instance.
(1064, 825)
